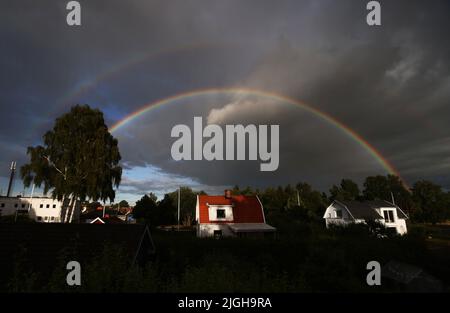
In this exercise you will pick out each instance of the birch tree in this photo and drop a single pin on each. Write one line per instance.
(79, 160)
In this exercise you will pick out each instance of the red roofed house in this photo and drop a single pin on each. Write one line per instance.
(231, 216)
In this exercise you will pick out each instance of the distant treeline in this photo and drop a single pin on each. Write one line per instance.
(425, 201)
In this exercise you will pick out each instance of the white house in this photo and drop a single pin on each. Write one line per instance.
(41, 209)
(346, 212)
(231, 216)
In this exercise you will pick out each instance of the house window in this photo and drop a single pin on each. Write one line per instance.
(41, 205)
(52, 218)
(2, 205)
(46, 218)
(23, 205)
(16, 205)
(54, 206)
(217, 233)
(47, 206)
(388, 216)
(39, 218)
(220, 213)
(338, 213)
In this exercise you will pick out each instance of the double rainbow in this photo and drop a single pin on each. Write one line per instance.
(350, 133)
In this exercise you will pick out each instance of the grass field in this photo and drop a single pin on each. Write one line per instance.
(305, 257)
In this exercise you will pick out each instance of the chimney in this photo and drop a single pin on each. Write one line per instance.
(11, 178)
(227, 194)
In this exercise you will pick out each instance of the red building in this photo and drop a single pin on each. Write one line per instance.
(231, 216)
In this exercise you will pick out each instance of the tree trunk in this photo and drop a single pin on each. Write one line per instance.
(64, 207)
(72, 208)
(68, 209)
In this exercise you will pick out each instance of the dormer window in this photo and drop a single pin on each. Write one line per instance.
(388, 216)
(220, 213)
(338, 213)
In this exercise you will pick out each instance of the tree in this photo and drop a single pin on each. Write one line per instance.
(121, 204)
(384, 187)
(376, 187)
(347, 191)
(167, 211)
(79, 160)
(187, 205)
(311, 200)
(431, 202)
(92, 206)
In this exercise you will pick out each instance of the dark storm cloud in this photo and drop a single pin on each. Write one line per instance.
(391, 84)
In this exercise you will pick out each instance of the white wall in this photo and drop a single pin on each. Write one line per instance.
(42, 209)
(207, 230)
(45, 210)
(401, 227)
(197, 210)
(330, 218)
(212, 211)
(399, 224)
(330, 212)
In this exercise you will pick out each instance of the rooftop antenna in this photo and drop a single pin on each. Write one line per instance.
(11, 177)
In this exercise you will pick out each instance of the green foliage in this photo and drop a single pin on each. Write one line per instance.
(146, 209)
(187, 205)
(79, 158)
(167, 211)
(318, 260)
(432, 203)
(121, 204)
(381, 187)
(301, 201)
(348, 190)
(23, 278)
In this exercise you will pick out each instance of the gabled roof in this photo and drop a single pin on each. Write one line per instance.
(367, 209)
(246, 209)
(107, 220)
(97, 220)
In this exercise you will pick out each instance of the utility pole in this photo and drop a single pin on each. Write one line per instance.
(11, 177)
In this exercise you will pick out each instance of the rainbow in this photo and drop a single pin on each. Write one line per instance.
(320, 114)
(91, 83)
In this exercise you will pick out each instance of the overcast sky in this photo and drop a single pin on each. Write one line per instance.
(390, 84)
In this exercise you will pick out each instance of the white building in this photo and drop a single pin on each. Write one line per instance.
(41, 209)
(346, 212)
